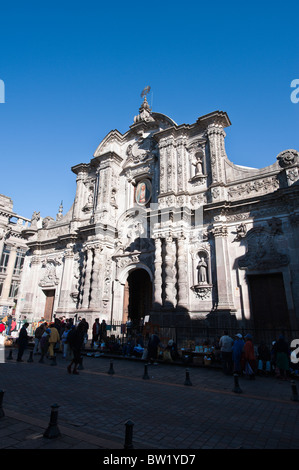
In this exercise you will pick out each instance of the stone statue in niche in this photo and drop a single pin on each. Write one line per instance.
(202, 269)
(197, 163)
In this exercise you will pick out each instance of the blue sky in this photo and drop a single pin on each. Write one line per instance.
(73, 71)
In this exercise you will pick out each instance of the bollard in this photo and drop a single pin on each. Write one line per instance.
(294, 396)
(236, 388)
(80, 366)
(53, 363)
(52, 430)
(111, 370)
(9, 357)
(187, 380)
(30, 357)
(1, 400)
(145, 375)
(129, 435)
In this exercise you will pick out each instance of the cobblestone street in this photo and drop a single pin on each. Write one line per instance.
(167, 414)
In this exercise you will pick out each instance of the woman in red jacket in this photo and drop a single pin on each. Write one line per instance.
(249, 356)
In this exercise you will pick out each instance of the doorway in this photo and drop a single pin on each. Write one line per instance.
(50, 296)
(268, 301)
(137, 297)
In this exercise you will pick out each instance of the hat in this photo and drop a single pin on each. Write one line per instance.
(239, 335)
(170, 342)
(248, 336)
(48, 330)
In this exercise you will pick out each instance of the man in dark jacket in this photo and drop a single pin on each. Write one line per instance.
(22, 341)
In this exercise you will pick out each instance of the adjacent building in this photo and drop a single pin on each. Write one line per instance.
(13, 249)
(164, 225)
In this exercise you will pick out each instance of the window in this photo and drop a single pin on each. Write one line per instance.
(19, 262)
(14, 287)
(4, 259)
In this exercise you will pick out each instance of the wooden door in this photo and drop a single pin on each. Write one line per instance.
(50, 296)
(268, 301)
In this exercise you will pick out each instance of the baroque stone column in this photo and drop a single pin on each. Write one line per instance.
(224, 282)
(32, 287)
(79, 193)
(66, 281)
(170, 273)
(87, 281)
(158, 273)
(182, 273)
(95, 297)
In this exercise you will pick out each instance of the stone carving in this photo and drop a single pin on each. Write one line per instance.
(144, 113)
(203, 292)
(287, 158)
(142, 149)
(34, 219)
(261, 251)
(262, 186)
(50, 278)
(202, 268)
(89, 205)
(275, 225)
(241, 232)
(46, 221)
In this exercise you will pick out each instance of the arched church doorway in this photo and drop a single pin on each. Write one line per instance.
(137, 297)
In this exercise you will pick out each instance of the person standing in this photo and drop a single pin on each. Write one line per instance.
(22, 341)
(249, 356)
(54, 338)
(103, 331)
(152, 348)
(76, 341)
(37, 337)
(95, 331)
(237, 352)
(44, 343)
(282, 354)
(8, 325)
(226, 348)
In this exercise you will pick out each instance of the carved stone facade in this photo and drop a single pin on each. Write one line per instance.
(13, 248)
(162, 205)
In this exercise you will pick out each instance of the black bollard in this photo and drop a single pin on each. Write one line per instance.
(1, 400)
(145, 375)
(294, 396)
(80, 366)
(9, 357)
(111, 370)
(187, 380)
(52, 430)
(30, 357)
(129, 435)
(236, 388)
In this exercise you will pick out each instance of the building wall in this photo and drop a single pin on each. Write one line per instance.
(201, 208)
(13, 248)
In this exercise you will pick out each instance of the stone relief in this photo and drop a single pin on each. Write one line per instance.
(50, 278)
(262, 186)
(261, 251)
(142, 150)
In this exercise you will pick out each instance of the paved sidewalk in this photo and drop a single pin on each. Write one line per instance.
(167, 414)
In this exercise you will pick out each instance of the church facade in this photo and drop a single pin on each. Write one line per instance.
(165, 226)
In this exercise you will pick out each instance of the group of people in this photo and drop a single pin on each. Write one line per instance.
(239, 355)
(66, 335)
(8, 325)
